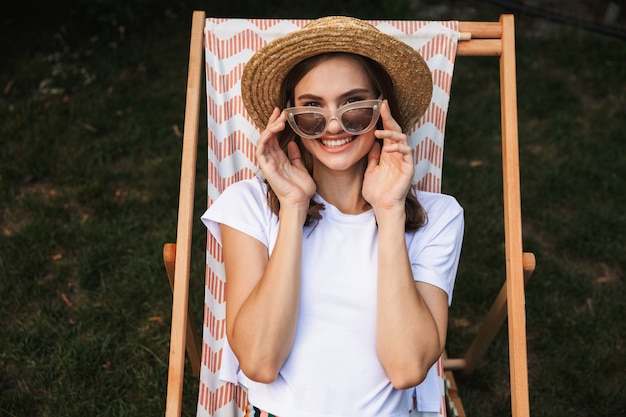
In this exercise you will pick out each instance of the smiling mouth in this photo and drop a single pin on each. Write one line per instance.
(336, 143)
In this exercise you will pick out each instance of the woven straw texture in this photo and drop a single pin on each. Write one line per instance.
(264, 73)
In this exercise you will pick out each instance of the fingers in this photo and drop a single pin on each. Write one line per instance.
(389, 123)
(394, 140)
(267, 140)
(398, 148)
(276, 122)
(293, 152)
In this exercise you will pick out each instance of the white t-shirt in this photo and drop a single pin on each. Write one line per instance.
(333, 369)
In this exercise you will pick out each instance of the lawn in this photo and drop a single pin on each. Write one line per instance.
(91, 111)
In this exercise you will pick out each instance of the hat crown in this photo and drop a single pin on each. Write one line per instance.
(264, 73)
(340, 22)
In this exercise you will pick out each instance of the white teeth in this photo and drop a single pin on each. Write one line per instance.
(335, 143)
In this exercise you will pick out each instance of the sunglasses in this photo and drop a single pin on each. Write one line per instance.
(355, 118)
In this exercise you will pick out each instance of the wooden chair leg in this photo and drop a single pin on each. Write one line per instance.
(477, 350)
(493, 321)
(453, 400)
(192, 339)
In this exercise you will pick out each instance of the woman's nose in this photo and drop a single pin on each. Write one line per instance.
(334, 126)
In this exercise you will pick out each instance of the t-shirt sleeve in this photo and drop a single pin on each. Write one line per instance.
(435, 249)
(242, 206)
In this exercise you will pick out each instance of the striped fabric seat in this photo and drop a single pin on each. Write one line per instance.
(229, 43)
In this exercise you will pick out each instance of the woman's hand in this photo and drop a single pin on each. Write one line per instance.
(285, 173)
(390, 169)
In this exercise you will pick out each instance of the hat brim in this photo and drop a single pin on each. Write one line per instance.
(265, 71)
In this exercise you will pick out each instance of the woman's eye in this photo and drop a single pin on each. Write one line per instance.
(353, 100)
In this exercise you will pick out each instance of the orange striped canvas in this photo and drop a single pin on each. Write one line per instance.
(229, 43)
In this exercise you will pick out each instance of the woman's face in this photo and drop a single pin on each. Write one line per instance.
(332, 83)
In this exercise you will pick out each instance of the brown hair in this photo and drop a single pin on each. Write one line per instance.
(415, 214)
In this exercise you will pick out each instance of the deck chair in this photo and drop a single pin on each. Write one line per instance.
(227, 44)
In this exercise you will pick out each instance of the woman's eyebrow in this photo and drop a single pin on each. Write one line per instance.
(311, 97)
(350, 93)
(355, 92)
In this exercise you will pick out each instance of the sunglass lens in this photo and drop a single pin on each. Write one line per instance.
(357, 120)
(311, 123)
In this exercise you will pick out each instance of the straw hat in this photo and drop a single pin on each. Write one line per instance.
(264, 73)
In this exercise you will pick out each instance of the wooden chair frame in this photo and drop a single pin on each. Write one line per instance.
(477, 39)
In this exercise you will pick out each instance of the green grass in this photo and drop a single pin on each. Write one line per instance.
(90, 158)
(571, 114)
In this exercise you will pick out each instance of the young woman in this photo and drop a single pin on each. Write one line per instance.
(339, 275)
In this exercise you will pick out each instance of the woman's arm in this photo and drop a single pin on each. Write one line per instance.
(263, 291)
(412, 317)
(263, 295)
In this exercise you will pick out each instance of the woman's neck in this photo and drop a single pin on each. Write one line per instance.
(342, 189)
